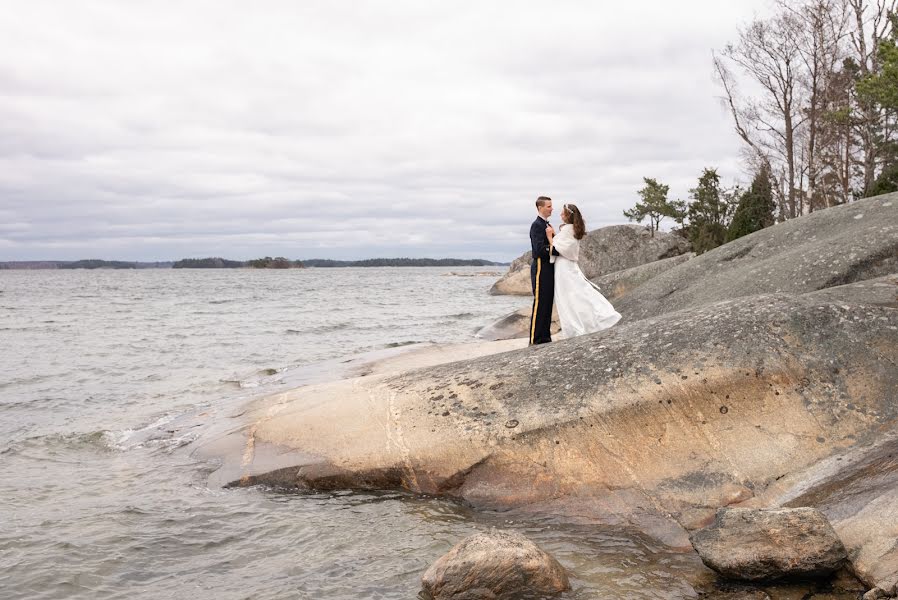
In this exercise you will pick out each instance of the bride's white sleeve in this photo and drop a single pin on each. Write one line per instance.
(566, 244)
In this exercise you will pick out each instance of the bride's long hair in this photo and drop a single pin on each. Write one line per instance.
(576, 219)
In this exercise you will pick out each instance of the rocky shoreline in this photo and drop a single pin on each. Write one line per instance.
(762, 374)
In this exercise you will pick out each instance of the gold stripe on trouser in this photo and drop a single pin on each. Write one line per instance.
(539, 265)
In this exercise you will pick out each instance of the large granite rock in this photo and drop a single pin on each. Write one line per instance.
(516, 282)
(494, 566)
(613, 286)
(769, 544)
(655, 424)
(602, 251)
(857, 490)
(620, 283)
(831, 247)
(516, 325)
(762, 400)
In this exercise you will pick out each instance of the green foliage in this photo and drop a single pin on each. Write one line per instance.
(207, 263)
(755, 209)
(655, 205)
(882, 87)
(709, 212)
(886, 182)
(274, 263)
(93, 263)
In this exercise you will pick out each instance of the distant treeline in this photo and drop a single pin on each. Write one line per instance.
(98, 264)
(216, 262)
(207, 263)
(278, 262)
(91, 263)
(402, 262)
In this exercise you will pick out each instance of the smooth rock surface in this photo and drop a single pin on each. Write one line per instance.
(613, 286)
(654, 424)
(516, 325)
(516, 281)
(769, 544)
(620, 283)
(495, 566)
(763, 400)
(828, 248)
(858, 492)
(602, 251)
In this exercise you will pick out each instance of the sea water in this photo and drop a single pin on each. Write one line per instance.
(92, 507)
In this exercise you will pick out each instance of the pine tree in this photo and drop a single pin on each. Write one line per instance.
(886, 182)
(654, 205)
(755, 209)
(709, 212)
(882, 88)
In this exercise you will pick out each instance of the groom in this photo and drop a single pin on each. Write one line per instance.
(542, 274)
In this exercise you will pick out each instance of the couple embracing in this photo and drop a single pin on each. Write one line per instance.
(556, 277)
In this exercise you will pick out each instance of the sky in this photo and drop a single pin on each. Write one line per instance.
(159, 130)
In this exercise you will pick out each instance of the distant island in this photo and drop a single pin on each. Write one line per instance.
(221, 263)
(402, 262)
(91, 263)
(267, 262)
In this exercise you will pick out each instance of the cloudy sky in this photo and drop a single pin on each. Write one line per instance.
(157, 130)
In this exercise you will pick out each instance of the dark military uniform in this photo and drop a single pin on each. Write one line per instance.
(542, 279)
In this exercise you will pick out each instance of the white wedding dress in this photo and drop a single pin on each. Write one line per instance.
(581, 306)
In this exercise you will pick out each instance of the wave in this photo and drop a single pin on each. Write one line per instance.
(159, 434)
(54, 443)
(260, 377)
(240, 383)
(463, 315)
(321, 329)
(401, 344)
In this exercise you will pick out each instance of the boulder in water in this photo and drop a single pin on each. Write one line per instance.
(769, 544)
(494, 566)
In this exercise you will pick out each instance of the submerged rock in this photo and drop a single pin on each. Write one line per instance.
(494, 566)
(602, 251)
(769, 544)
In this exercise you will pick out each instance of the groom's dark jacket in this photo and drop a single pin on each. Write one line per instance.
(539, 245)
(539, 241)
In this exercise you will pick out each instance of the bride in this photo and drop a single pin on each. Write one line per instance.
(581, 306)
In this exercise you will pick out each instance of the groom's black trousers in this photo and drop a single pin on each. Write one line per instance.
(542, 278)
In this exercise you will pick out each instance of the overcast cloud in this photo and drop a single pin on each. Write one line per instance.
(156, 130)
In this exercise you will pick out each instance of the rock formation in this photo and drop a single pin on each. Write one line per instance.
(496, 565)
(769, 544)
(516, 325)
(777, 387)
(675, 416)
(827, 248)
(620, 283)
(602, 251)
